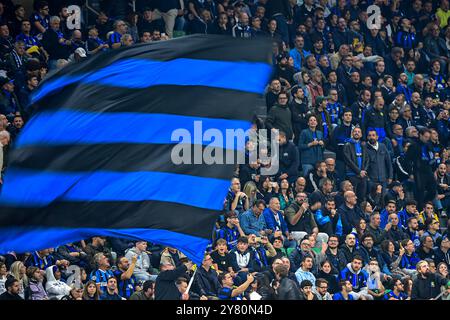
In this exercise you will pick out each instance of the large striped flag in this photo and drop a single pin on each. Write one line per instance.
(95, 159)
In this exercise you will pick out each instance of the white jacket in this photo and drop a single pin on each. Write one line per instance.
(55, 288)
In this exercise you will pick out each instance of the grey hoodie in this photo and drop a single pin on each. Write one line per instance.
(143, 265)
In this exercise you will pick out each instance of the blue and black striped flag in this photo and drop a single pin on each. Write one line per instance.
(95, 158)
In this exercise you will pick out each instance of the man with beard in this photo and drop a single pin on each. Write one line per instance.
(360, 107)
(427, 285)
(272, 94)
(280, 116)
(380, 169)
(443, 189)
(299, 109)
(357, 163)
(283, 70)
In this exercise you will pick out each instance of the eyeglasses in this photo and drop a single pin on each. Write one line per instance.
(325, 288)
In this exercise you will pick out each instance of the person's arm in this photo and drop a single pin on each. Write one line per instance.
(348, 160)
(127, 274)
(241, 289)
(173, 274)
(293, 219)
(303, 140)
(39, 26)
(241, 232)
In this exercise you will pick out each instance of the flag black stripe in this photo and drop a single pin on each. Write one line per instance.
(114, 215)
(196, 101)
(122, 157)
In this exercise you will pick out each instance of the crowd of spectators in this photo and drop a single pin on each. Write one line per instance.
(358, 209)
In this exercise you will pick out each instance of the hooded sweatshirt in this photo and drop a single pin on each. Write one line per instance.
(55, 288)
(358, 279)
(142, 264)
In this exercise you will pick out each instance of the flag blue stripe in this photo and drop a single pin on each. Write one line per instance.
(144, 73)
(25, 239)
(83, 127)
(30, 188)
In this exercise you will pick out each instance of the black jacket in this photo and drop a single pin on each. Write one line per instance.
(206, 282)
(5, 296)
(427, 288)
(380, 163)
(349, 217)
(351, 161)
(288, 290)
(165, 288)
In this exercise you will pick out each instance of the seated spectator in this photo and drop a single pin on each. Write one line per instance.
(252, 221)
(90, 291)
(306, 292)
(125, 277)
(172, 256)
(353, 272)
(111, 290)
(346, 288)
(143, 268)
(229, 291)
(147, 292)
(35, 290)
(231, 231)
(410, 258)
(304, 272)
(275, 222)
(102, 273)
(12, 287)
(397, 292)
(221, 257)
(206, 281)
(56, 289)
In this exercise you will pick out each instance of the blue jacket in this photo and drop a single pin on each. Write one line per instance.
(358, 280)
(310, 155)
(271, 223)
(251, 224)
(298, 57)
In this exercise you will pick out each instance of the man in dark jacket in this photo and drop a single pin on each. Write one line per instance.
(350, 212)
(299, 109)
(280, 116)
(341, 135)
(206, 281)
(287, 289)
(165, 288)
(357, 163)
(12, 287)
(289, 159)
(380, 169)
(427, 285)
(420, 157)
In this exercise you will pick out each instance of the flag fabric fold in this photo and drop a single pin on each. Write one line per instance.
(95, 157)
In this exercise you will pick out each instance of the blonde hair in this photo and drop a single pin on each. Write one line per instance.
(420, 264)
(15, 271)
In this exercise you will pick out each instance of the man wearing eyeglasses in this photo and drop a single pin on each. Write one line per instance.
(321, 290)
(115, 38)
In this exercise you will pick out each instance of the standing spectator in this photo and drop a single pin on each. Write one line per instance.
(280, 116)
(311, 145)
(357, 162)
(165, 288)
(206, 282)
(380, 164)
(287, 289)
(421, 159)
(168, 10)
